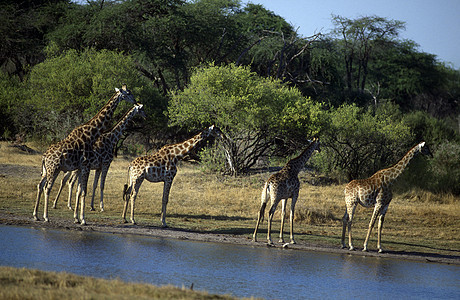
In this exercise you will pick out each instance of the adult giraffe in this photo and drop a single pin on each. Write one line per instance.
(101, 158)
(281, 186)
(160, 166)
(375, 191)
(72, 153)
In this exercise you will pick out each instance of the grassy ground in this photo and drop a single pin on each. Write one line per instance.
(416, 221)
(34, 284)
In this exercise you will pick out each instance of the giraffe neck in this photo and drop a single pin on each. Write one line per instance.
(86, 134)
(390, 174)
(101, 120)
(115, 133)
(178, 151)
(296, 164)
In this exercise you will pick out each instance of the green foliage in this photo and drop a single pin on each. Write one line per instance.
(427, 128)
(445, 167)
(358, 142)
(23, 27)
(252, 110)
(10, 97)
(68, 89)
(358, 40)
(257, 19)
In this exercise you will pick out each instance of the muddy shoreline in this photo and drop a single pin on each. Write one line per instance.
(13, 220)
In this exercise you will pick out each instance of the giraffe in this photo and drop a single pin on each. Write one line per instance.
(375, 191)
(281, 186)
(101, 157)
(72, 152)
(158, 167)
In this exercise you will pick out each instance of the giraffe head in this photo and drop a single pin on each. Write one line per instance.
(316, 144)
(139, 109)
(424, 149)
(125, 94)
(212, 131)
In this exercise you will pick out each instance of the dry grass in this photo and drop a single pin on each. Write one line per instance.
(417, 221)
(34, 284)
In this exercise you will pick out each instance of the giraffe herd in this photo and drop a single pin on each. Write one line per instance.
(90, 146)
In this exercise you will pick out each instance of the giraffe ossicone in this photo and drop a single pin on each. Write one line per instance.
(281, 186)
(160, 167)
(375, 191)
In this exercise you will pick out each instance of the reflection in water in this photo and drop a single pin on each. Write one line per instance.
(241, 271)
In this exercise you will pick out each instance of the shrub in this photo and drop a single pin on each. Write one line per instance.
(356, 142)
(253, 111)
(68, 89)
(445, 167)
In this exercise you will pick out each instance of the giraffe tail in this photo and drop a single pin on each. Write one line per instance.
(125, 188)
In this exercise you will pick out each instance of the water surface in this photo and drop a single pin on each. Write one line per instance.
(241, 271)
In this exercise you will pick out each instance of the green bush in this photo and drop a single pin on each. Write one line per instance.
(357, 142)
(445, 167)
(252, 111)
(66, 90)
(11, 97)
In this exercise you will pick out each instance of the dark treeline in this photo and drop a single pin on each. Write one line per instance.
(61, 60)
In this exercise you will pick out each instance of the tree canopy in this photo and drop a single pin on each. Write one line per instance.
(239, 65)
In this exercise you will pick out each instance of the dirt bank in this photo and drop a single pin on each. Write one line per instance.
(10, 219)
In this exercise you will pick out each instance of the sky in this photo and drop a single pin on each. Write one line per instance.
(433, 24)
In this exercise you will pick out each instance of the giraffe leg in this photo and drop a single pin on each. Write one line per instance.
(271, 212)
(70, 185)
(97, 173)
(63, 182)
(84, 184)
(263, 205)
(371, 225)
(133, 196)
(344, 228)
(103, 177)
(283, 215)
(80, 197)
(40, 187)
(164, 202)
(48, 186)
(381, 219)
(260, 218)
(77, 200)
(126, 196)
(291, 218)
(350, 212)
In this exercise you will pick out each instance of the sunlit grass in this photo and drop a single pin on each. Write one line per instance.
(416, 220)
(35, 284)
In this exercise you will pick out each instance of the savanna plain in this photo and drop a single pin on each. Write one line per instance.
(418, 223)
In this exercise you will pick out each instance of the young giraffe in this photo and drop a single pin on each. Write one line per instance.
(72, 153)
(375, 191)
(281, 186)
(101, 157)
(158, 167)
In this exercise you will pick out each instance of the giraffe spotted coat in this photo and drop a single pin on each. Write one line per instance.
(281, 186)
(160, 167)
(375, 191)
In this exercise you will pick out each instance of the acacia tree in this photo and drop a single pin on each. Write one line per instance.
(358, 40)
(252, 111)
(23, 26)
